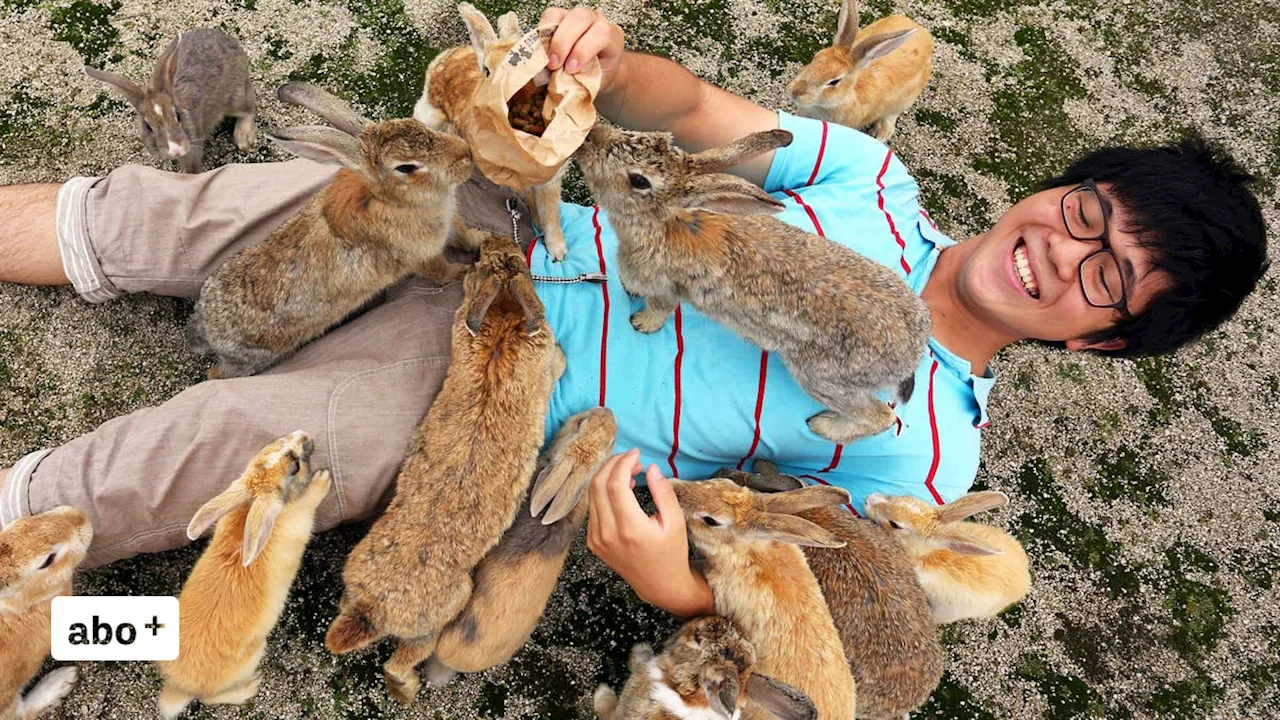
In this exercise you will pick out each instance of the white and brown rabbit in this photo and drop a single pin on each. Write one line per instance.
(201, 77)
(883, 616)
(867, 78)
(451, 81)
(239, 586)
(845, 326)
(760, 580)
(387, 213)
(38, 556)
(514, 581)
(707, 671)
(968, 570)
(468, 466)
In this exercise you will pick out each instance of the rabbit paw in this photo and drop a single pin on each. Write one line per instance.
(649, 321)
(49, 691)
(844, 429)
(555, 243)
(403, 689)
(244, 136)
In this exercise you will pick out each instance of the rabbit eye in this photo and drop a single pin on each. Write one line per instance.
(836, 81)
(49, 560)
(294, 467)
(710, 521)
(894, 525)
(406, 168)
(147, 125)
(638, 181)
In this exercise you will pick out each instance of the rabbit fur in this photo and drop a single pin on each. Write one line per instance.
(706, 672)
(883, 616)
(237, 589)
(38, 557)
(514, 581)
(468, 466)
(760, 581)
(845, 325)
(387, 213)
(967, 570)
(867, 78)
(451, 81)
(201, 77)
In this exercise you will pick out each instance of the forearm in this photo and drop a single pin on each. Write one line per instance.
(687, 598)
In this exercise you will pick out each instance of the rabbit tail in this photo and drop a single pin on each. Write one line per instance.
(353, 629)
(195, 335)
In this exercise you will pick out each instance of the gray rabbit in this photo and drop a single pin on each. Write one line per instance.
(201, 77)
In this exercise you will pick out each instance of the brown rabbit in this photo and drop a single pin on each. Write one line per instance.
(866, 79)
(845, 325)
(882, 614)
(386, 214)
(705, 672)
(967, 570)
(38, 556)
(761, 582)
(452, 79)
(468, 466)
(237, 590)
(201, 77)
(514, 581)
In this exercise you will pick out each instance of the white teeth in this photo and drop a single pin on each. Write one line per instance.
(1023, 265)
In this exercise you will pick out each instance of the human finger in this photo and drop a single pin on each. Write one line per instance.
(572, 27)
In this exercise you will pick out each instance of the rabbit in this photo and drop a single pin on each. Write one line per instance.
(845, 325)
(38, 556)
(866, 79)
(239, 586)
(514, 581)
(468, 466)
(761, 582)
(883, 616)
(967, 570)
(451, 80)
(387, 213)
(201, 77)
(705, 672)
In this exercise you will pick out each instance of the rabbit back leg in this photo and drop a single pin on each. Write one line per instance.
(173, 701)
(860, 416)
(243, 361)
(401, 671)
(657, 308)
(236, 695)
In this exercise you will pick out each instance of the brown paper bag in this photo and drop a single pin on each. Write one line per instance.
(513, 157)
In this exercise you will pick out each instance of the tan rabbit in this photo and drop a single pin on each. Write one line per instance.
(38, 556)
(867, 78)
(468, 466)
(705, 672)
(452, 79)
(200, 78)
(386, 214)
(845, 325)
(238, 588)
(762, 583)
(967, 570)
(514, 581)
(883, 616)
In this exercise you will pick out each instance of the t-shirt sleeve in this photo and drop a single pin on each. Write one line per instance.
(821, 152)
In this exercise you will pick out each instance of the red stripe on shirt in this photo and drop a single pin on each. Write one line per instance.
(675, 436)
(822, 148)
(755, 440)
(892, 228)
(604, 286)
(528, 253)
(929, 217)
(937, 444)
(803, 204)
(835, 459)
(824, 482)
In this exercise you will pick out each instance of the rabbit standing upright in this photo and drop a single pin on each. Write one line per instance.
(883, 616)
(844, 325)
(967, 569)
(38, 556)
(468, 466)
(867, 78)
(201, 77)
(238, 588)
(761, 582)
(387, 213)
(452, 79)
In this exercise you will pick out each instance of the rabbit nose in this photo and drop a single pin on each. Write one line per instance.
(176, 149)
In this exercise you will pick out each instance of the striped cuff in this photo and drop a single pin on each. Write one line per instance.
(14, 501)
(78, 260)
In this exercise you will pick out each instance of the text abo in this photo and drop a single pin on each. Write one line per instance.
(85, 627)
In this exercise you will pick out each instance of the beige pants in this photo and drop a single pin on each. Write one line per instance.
(359, 391)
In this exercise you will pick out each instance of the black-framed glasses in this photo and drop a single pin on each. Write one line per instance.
(1087, 215)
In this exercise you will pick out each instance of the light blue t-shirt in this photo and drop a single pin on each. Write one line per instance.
(695, 397)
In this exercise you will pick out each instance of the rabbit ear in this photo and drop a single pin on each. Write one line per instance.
(795, 530)
(877, 46)
(728, 194)
(847, 24)
(166, 66)
(483, 297)
(258, 526)
(806, 498)
(721, 692)
(521, 288)
(509, 26)
(123, 85)
(962, 543)
(332, 108)
(783, 700)
(972, 504)
(322, 144)
(212, 511)
(482, 35)
(744, 148)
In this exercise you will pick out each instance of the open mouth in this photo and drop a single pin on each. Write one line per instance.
(1022, 264)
